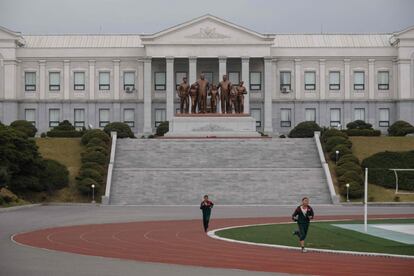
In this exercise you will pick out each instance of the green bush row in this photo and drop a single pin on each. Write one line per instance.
(400, 128)
(304, 130)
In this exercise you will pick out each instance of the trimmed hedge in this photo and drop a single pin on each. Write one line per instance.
(95, 166)
(55, 176)
(95, 133)
(333, 141)
(343, 150)
(96, 142)
(355, 190)
(332, 132)
(380, 163)
(122, 130)
(347, 167)
(94, 156)
(64, 129)
(162, 128)
(90, 173)
(84, 185)
(363, 132)
(348, 158)
(304, 130)
(100, 149)
(359, 124)
(24, 126)
(400, 128)
(350, 176)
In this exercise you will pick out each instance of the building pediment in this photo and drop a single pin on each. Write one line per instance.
(8, 35)
(207, 29)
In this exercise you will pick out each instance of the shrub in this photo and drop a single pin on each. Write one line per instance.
(64, 126)
(84, 185)
(55, 176)
(380, 163)
(162, 128)
(95, 166)
(96, 142)
(23, 183)
(95, 156)
(333, 141)
(90, 173)
(400, 128)
(122, 130)
(343, 150)
(304, 130)
(95, 133)
(100, 149)
(332, 132)
(348, 158)
(350, 176)
(363, 132)
(282, 136)
(347, 167)
(24, 126)
(43, 135)
(64, 129)
(355, 190)
(358, 124)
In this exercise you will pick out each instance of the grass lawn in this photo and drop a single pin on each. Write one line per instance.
(68, 152)
(322, 235)
(363, 147)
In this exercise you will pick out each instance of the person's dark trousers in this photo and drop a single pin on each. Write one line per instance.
(206, 218)
(303, 230)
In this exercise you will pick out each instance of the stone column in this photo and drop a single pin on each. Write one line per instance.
(42, 79)
(147, 96)
(371, 79)
(347, 78)
(268, 75)
(92, 79)
(322, 81)
(66, 79)
(192, 74)
(10, 110)
(116, 79)
(298, 79)
(394, 91)
(245, 68)
(140, 79)
(404, 81)
(170, 87)
(222, 67)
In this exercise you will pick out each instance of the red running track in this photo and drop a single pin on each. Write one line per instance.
(183, 242)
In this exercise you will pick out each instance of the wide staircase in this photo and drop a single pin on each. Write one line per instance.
(232, 171)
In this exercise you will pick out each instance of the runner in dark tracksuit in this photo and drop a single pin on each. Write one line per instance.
(206, 206)
(302, 215)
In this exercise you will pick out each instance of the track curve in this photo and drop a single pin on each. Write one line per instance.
(183, 242)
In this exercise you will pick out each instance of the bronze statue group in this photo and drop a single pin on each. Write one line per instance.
(231, 96)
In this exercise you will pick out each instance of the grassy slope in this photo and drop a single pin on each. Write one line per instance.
(321, 235)
(364, 147)
(68, 152)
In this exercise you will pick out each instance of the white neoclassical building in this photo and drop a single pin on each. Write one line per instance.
(95, 79)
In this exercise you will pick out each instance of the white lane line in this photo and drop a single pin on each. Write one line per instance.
(213, 235)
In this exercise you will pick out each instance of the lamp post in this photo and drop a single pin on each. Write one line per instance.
(93, 193)
(347, 192)
(337, 155)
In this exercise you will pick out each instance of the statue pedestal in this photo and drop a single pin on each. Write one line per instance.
(212, 125)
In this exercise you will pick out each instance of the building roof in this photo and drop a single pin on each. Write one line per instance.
(82, 41)
(332, 40)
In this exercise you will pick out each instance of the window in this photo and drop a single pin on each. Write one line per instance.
(79, 120)
(310, 114)
(257, 115)
(129, 117)
(103, 117)
(30, 116)
(30, 81)
(359, 114)
(179, 78)
(79, 81)
(54, 81)
(129, 81)
(334, 80)
(160, 81)
(159, 116)
(255, 81)
(285, 120)
(208, 76)
(359, 80)
(285, 84)
(54, 117)
(384, 117)
(310, 80)
(383, 80)
(104, 81)
(234, 78)
(335, 117)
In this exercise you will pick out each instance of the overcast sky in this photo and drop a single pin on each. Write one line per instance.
(265, 16)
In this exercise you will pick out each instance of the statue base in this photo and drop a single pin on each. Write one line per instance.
(212, 125)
